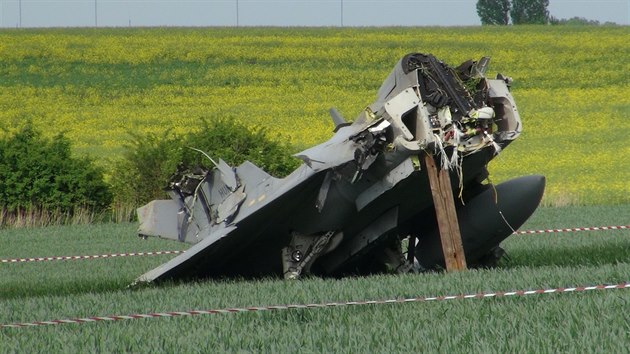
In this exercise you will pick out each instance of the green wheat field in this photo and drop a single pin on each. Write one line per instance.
(572, 87)
(575, 322)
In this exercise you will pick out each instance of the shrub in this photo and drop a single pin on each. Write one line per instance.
(141, 174)
(150, 160)
(40, 173)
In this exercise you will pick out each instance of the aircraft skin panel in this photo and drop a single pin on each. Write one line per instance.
(159, 218)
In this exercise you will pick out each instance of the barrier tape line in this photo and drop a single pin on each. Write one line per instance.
(158, 253)
(96, 256)
(319, 305)
(574, 229)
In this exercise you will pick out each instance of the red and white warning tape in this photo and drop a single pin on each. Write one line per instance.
(96, 256)
(158, 253)
(574, 229)
(320, 305)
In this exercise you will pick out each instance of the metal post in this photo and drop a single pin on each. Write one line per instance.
(237, 13)
(341, 13)
(20, 14)
(95, 14)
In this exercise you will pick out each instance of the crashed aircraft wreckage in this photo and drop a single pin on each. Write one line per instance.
(356, 197)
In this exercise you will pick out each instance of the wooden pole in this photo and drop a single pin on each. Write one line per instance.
(440, 183)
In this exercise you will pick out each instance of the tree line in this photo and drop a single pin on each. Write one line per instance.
(520, 12)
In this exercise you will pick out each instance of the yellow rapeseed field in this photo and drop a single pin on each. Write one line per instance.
(571, 84)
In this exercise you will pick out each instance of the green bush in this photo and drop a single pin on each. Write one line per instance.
(40, 173)
(151, 159)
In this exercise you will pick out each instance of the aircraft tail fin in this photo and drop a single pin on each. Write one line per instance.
(337, 118)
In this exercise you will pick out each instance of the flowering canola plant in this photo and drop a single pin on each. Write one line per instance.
(571, 86)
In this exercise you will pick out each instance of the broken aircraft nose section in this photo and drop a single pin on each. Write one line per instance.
(347, 208)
